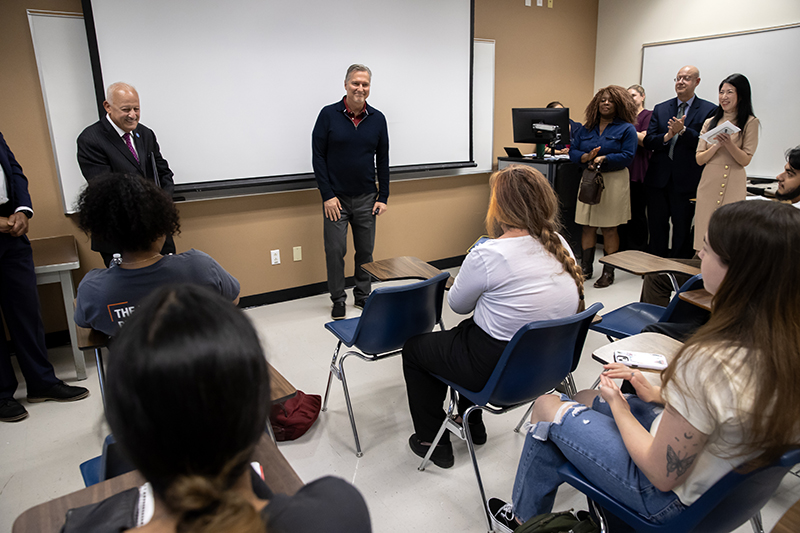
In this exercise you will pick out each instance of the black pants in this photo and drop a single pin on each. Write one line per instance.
(465, 355)
(665, 204)
(19, 301)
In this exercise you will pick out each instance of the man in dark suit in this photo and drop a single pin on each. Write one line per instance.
(19, 300)
(118, 143)
(673, 174)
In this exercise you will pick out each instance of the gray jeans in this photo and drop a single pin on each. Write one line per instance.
(356, 211)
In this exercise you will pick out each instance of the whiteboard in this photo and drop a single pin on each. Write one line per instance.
(66, 78)
(233, 89)
(764, 56)
(62, 57)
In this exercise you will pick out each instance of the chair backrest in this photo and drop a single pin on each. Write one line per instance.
(394, 314)
(676, 306)
(537, 358)
(732, 500)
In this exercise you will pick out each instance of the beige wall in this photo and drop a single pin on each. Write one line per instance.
(541, 54)
(431, 219)
(623, 26)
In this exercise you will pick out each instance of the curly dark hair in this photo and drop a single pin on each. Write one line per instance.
(127, 211)
(624, 107)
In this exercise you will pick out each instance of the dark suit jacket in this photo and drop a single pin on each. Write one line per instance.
(101, 151)
(16, 182)
(683, 168)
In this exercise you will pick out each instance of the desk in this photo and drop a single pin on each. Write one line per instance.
(790, 521)
(700, 297)
(641, 263)
(53, 259)
(49, 517)
(91, 339)
(406, 267)
(642, 342)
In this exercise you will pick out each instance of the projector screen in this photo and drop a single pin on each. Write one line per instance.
(233, 89)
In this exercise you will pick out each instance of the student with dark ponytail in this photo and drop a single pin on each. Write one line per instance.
(187, 400)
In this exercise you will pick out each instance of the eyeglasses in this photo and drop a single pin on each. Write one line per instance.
(683, 78)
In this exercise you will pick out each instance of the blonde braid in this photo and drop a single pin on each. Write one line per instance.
(549, 239)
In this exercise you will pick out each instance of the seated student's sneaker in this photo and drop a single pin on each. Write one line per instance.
(502, 515)
(360, 303)
(11, 410)
(442, 456)
(338, 312)
(61, 392)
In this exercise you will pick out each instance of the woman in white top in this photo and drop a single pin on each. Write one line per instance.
(728, 399)
(526, 273)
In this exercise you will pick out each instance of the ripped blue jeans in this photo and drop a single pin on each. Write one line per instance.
(590, 440)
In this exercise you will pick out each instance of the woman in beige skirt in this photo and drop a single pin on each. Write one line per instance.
(606, 142)
(724, 179)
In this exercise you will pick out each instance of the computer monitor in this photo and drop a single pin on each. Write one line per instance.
(523, 120)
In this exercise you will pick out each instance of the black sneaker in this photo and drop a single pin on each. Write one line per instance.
(360, 303)
(11, 410)
(442, 456)
(339, 311)
(60, 392)
(502, 515)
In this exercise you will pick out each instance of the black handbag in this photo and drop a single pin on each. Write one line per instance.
(591, 187)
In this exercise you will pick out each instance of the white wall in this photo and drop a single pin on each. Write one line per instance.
(623, 26)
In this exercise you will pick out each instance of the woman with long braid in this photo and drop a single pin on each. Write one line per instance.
(525, 273)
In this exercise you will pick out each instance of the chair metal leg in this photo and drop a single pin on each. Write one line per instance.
(101, 373)
(524, 418)
(755, 522)
(359, 453)
(601, 517)
(331, 371)
(427, 458)
(471, 448)
(449, 423)
(569, 385)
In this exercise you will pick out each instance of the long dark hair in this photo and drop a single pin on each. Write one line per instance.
(744, 105)
(755, 309)
(188, 399)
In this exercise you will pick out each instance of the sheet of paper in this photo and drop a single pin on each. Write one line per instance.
(725, 127)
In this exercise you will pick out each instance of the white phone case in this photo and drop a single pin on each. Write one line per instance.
(653, 361)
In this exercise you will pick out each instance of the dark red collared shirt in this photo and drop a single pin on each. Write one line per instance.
(352, 116)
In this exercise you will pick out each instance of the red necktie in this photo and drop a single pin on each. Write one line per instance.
(127, 138)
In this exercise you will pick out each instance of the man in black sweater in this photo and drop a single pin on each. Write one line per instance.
(350, 145)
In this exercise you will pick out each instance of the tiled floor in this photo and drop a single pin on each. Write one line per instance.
(39, 456)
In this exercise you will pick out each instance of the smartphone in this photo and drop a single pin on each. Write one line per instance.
(653, 361)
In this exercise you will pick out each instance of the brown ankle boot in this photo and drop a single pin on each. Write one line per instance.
(606, 279)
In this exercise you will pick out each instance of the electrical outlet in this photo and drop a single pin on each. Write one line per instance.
(550, 3)
(276, 256)
(297, 252)
(539, 3)
(528, 3)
